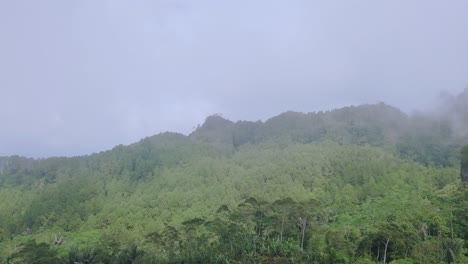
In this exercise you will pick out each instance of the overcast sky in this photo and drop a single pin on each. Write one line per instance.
(80, 76)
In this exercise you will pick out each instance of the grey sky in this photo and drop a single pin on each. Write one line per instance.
(83, 76)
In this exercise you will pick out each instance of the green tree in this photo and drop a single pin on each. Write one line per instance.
(31, 252)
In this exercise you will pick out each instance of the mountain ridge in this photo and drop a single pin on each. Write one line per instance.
(376, 124)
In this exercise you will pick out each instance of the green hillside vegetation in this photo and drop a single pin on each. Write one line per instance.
(362, 184)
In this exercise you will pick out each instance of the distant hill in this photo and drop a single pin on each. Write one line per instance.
(359, 184)
(365, 124)
(423, 138)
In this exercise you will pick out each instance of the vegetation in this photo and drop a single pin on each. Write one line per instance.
(365, 184)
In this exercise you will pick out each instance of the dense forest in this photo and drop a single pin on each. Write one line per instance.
(360, 184)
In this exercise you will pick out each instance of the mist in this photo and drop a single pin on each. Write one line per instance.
(79, 77)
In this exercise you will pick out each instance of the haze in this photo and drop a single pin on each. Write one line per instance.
(78, 77)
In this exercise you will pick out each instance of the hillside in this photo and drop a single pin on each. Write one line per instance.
(360, 184)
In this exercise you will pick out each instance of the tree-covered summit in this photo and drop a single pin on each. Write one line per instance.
(419, 137)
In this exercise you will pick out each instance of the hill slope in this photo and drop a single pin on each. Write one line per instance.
(354, 185)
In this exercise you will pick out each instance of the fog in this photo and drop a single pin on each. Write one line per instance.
(78, 77)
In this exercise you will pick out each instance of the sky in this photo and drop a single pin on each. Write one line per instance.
(83, 76)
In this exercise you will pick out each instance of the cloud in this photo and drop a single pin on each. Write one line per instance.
(83, 76)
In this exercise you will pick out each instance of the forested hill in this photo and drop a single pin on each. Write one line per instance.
(360, 184)
(366, 124)
(419, 137)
